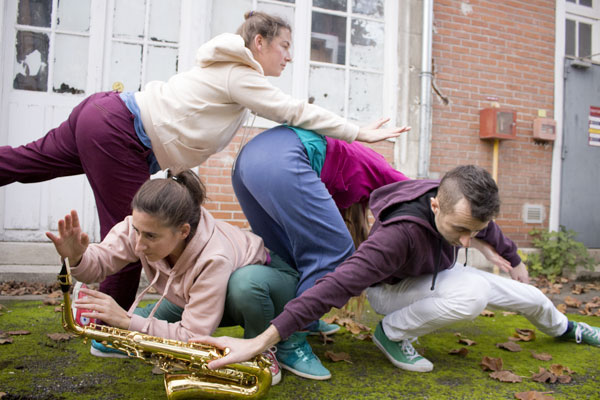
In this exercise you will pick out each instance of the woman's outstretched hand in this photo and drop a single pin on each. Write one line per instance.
(374, 132)
(71, 241)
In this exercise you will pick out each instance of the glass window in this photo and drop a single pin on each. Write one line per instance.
(373, 8)
(35, 13)
(570, 37)
(73, 15)
(69, 76)
(31, 63)
(337, 5)
(328, 38)
(585, 40)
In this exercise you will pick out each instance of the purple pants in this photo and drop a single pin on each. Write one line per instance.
(98, 140)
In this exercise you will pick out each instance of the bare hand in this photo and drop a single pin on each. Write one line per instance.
(374, 132)
(71, 241)
(491, 255)
(519, 273)
(103, 307)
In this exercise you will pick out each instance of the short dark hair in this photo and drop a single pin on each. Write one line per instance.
(474, 184)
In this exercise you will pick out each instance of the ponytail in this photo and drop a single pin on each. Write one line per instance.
(175, 200)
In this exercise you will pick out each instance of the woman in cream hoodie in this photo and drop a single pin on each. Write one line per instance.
(117, 140)
(186, 254)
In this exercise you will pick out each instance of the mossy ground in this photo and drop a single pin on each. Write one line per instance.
(35, 367)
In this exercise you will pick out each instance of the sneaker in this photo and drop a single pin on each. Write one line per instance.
(77, 294)
(324, 328)
(275, 370)
(99, 350)
(402, 354)
(582, 332)
(296, 355)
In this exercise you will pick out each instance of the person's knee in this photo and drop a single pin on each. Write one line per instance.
(470, 297)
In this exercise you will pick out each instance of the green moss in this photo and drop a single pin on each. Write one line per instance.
(35, 367)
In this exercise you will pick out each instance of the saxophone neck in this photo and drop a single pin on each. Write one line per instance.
(68, 322)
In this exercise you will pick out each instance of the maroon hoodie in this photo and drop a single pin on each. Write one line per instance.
(398, 247)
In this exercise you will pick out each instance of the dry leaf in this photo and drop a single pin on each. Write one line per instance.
(544, 376)
(463, 351)
(577, 289)
(565, 378)
(564, 279)
(364, 336)
(457, 334)
(525, 335)
(533, 395)
(335, 357)
(467, 342)
(331, 319)
(59, 337)
(541, 356)
(56, 294)
(17, 333)
(58, 309)
(506, 313)
(505, 376)
(544, 290)
(560, 369)
(491, 364)
(562, 308)
(487, 313)
(572, 302)
(6, 340)
(326, 338)
(510, 346)
(51, 302)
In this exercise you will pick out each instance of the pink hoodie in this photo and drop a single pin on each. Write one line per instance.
(197, 282)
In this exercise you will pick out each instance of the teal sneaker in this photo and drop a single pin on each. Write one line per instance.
(324, 328)
(296, 355)
(582, 332)
(99, 350)
(402, 354)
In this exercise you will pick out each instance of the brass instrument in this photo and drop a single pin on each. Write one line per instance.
(185, 364)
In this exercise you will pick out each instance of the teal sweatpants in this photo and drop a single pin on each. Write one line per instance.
(255, 295)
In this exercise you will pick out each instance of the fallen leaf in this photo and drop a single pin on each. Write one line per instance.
(331, 319)
(560, 369)
(544, 290)
(564, 279)
(491, 364)
(463, 351)
(577, 289)
(326, 338)
(59, 337)
(510, 346)
(457, 334)
(533, 395)
(544, 376)
(541, 356)
(58, 309)
(364, 336)
(6, 340)
(555, 289)
(525, 335)
(572, 302)
(335, 357)
(562, 308)
(505, 376)
(506, 313)
(17, 333)
(467, 342)
(487, 313)
(565, 378)
(56, 294)
(51, 302)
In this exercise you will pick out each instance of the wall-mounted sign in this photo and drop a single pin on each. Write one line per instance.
(594, 129)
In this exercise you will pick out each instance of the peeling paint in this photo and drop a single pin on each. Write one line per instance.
(466, 9)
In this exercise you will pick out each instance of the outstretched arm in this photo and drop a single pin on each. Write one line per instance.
(240, 349)
(518, 273)
(375, 133)
(71, 241)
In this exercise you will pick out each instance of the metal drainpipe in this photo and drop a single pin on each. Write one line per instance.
(425, 109)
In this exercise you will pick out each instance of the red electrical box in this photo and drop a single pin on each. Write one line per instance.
(544, 129)
(497, 123)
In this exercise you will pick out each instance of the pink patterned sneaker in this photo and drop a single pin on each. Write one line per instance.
(275, 370)
(77, 294)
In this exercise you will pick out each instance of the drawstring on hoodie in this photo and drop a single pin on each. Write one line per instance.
(437, 265)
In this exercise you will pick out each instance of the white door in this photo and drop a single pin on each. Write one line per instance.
(54, 54)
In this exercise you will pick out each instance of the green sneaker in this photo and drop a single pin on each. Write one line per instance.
(582, 332)
(324, 328)
(296, 355)
(402, 354)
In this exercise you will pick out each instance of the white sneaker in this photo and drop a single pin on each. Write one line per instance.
(275, 370)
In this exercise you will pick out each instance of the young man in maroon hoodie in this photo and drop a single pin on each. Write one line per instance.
(408, 266)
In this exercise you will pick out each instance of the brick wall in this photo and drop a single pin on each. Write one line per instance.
(485, 52)
(216, 174)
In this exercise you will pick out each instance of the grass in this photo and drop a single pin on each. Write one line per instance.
(36, 367)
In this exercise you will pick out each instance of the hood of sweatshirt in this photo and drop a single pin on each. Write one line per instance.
(226, 47)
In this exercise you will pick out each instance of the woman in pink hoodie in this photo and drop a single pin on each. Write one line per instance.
(186, 254)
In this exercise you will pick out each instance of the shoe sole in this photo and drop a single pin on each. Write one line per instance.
(303, 374)
(331, 332)
(275, 379)
(404, 366)
(95, 352)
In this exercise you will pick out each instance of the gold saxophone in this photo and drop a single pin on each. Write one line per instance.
(185, 364)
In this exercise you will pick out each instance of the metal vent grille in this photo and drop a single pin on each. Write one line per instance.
(533, 214)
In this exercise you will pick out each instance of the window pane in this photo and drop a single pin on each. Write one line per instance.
(129, 18)
(288, 1)
(328, 38)
(365, 102)
(374, 8)
(69, 76)
(338, 5)
(165, 20)
(585, 40)
(31, 63)
(570, 38)
(587, 3)
(224, 19)
(125, 66)
(326, 87)
(34, 12)
(73, 15)
(367, 41)
(161, 63)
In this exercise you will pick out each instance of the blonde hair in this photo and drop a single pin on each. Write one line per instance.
(260, 23)
(357, 222)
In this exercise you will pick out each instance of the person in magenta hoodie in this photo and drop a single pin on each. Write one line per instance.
(297, 199)
(408, 266)
(188, 257)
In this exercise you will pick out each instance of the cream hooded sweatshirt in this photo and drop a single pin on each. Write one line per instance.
(197, 282)
(196, 113)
